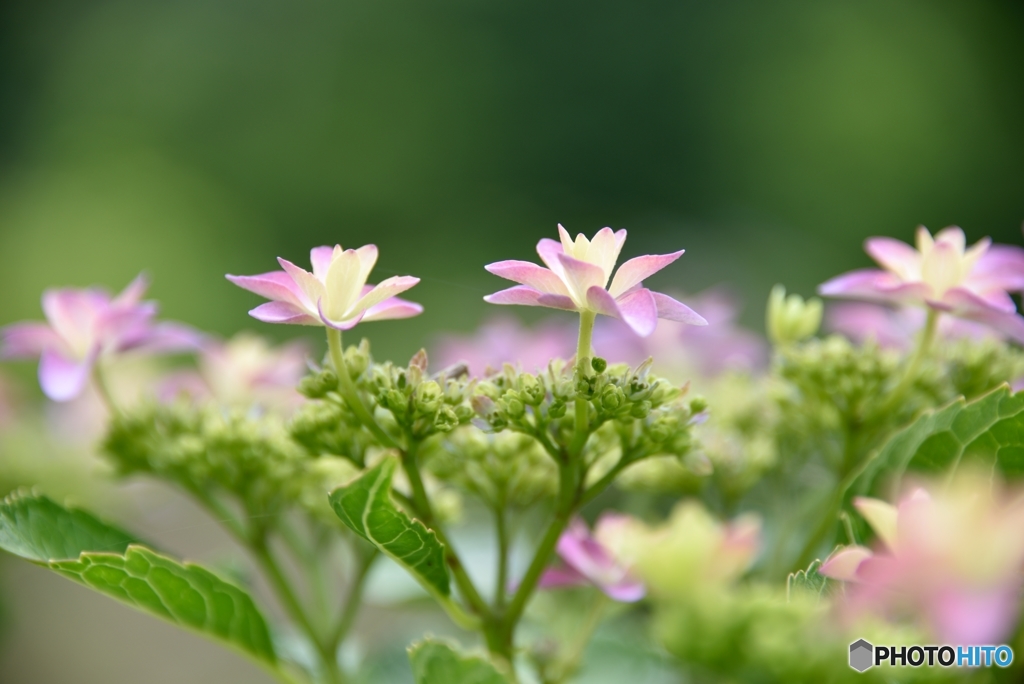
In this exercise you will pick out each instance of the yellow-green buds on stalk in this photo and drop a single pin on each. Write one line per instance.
(791, 319)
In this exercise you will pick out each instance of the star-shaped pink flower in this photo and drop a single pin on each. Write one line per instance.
(588, 560)
(576, 279)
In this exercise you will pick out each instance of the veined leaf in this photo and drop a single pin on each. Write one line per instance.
(809, 581)
(365, 506)
(80, 547)
(438, 662)
(988, 432)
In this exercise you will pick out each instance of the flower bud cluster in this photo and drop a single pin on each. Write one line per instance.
(419, 403)
(211, 450)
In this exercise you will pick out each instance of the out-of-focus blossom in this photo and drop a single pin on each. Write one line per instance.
(504, 340)
(791, 319)
(682, 351)
(576, 279)
(83, 326)
(591, 560)
(691, 552)
(943, 275)
(952, 559)
(244, 370)
(895, 327)
(335, 294)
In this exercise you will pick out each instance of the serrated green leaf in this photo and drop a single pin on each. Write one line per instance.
(809, 582)
(365, 506)
(37, 529)
(439, 662)
(102, 557)
(988, 432)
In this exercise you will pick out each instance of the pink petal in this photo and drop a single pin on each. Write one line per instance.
(393, 308)
(561, 577)
(963, 304)
(339, 325)
(627, 590)
(843, 564)
(637, 270)
(966, 615)
(27, 340)
(320, 258)
(74, 314)
(62, 378)
(673, 310)
(601, 301)
(639, 311)
(525, 273)
(554, 301)
(1001, 267)
(275, 285)
(385, 290)
(875, 285)
(527, 296)
(132, 294)
(581, 276)
(282, 312)
(307, 283)
(896, 256)
(168, 337)
(549, 251)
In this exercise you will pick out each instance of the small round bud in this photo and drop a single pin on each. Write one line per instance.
(640, 409)
(556, 410)
(791, 319)
(598, 364)
(428, 397)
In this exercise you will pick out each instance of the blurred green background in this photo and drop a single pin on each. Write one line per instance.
(197, 137)
(194, 138)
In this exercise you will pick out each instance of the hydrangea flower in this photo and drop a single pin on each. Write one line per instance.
(589, 560)
(576, 279)
(83, 326)
(244, 370)
(895, 328)
(944, 275)
(505, 340)
(335, 294)
(954, 559)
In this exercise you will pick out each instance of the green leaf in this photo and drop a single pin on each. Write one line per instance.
(365, 506)
(809, 582)
(37, 529)
(987, 432)
(439, 662)
(81, 548)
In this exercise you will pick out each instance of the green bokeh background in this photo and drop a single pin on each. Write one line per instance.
(197, 137)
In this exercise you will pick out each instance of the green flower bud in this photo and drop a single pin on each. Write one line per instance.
(556, 410)
(640, 409)
(513, 406)
(463, 413)
(358, 359)
(532, 390)
(317, 386)
(791, 319)
(698, 404)
(612, 398)
(396, 402)
(598, 364)
(428, 397)
(446, 419)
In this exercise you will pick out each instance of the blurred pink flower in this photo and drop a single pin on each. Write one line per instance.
(576, 279)
(943, 275)
(684, 350)
(954, 560)
(244, 370)
(503, 340)
(85, 325)
(335, 294)
(895, 328)
(589, 560)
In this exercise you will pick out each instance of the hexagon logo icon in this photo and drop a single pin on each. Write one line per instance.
(861, 655)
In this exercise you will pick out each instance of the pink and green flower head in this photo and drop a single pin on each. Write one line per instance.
(590, 560)
(335, 294)
(944, 275)
(577, 279)
(83, 326)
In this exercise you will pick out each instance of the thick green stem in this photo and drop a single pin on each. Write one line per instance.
(501, 582)
(348, 391)
(583, 344)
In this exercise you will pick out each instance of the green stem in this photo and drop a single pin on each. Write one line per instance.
(924, 344)
(99, 380)
(353, 598)
(583, 345)
(594, 490)
(501, 583)
(348, 391)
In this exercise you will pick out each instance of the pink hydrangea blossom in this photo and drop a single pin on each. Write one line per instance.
(244, 370)
(953, 559)
(589, 560)
(895, 328)
(335, 294)
(576, 279)
(682, 351)
(83, 326)
(504, 340)
(944, 275)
